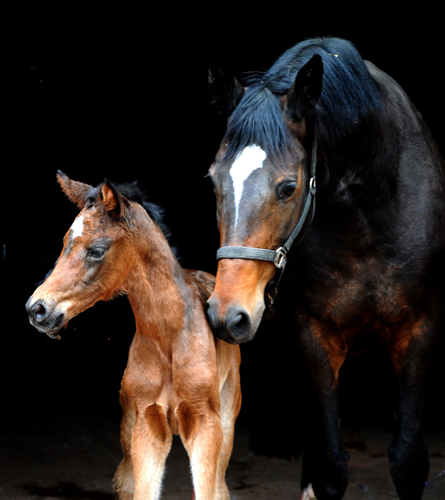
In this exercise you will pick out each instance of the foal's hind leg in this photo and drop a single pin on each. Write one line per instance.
(124, 479)
(408, 454)
(230, 407)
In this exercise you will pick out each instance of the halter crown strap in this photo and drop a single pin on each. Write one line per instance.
(278, 257)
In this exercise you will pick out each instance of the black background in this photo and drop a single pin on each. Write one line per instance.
(123, 95)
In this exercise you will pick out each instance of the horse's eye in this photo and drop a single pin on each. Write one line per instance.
(96, 253)
(286, 190)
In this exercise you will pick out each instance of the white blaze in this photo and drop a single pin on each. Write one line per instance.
(249, 160)
(77, 227)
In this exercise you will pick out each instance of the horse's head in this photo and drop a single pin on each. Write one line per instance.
(95, 261)
(261, 178)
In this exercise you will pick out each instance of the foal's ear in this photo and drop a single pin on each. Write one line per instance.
(225, 91)
(76, 191)
(306, 90)
(111, 199)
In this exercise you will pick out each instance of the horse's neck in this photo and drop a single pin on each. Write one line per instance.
(157, 295)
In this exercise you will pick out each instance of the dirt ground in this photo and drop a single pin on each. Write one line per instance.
(74, 458)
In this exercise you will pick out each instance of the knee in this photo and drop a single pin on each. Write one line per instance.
(156, 420)
(188, 418)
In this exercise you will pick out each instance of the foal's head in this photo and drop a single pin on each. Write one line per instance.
(100, 254)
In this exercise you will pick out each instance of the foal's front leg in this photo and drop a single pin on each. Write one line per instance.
(150, 444)
(202, 435)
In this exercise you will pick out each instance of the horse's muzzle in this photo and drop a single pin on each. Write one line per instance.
(234, 327)
(45, 318)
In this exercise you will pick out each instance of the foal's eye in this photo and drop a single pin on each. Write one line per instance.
(286, 190)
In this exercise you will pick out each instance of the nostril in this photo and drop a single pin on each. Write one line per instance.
(234, 326)
(240, 325)
(39, 312)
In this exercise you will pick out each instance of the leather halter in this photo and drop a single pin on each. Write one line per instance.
(279, 256)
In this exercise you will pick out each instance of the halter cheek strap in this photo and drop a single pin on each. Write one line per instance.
(278, 257)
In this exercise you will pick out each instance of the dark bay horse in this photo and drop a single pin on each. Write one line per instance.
(178, 379)
(328, 167)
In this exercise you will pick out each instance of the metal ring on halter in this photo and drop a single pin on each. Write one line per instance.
(281, 258)
(312, 184)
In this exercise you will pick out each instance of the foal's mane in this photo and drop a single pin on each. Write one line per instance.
(133, 192)
(350, 96)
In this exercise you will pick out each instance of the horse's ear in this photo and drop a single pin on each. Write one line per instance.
(76, 191)
(225, 91)
(111, 199)
(306, 90)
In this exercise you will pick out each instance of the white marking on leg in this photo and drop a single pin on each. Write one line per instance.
(308, 493)
(77, 227)
(246, 162)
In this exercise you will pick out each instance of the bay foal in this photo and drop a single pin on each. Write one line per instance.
(179, 379)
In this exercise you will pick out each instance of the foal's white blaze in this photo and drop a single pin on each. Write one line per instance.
(246, 162)
(77, 227)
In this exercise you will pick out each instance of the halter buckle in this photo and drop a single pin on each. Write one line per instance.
(280, 261)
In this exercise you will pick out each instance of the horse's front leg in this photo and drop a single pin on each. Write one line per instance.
(150, 444)
(324, 458)
(202, 435)
(408, 454)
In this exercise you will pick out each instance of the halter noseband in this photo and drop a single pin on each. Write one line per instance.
(278, 257)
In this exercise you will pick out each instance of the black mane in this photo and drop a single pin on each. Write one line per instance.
(349, 97)
(133, 192)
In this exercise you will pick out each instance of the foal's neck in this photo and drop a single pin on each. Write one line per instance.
(158, 290)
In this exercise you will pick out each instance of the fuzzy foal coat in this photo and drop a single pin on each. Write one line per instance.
(179, 379)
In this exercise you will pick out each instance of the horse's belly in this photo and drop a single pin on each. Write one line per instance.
(366, 312)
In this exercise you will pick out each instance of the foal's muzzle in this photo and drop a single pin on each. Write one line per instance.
(44, 317)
